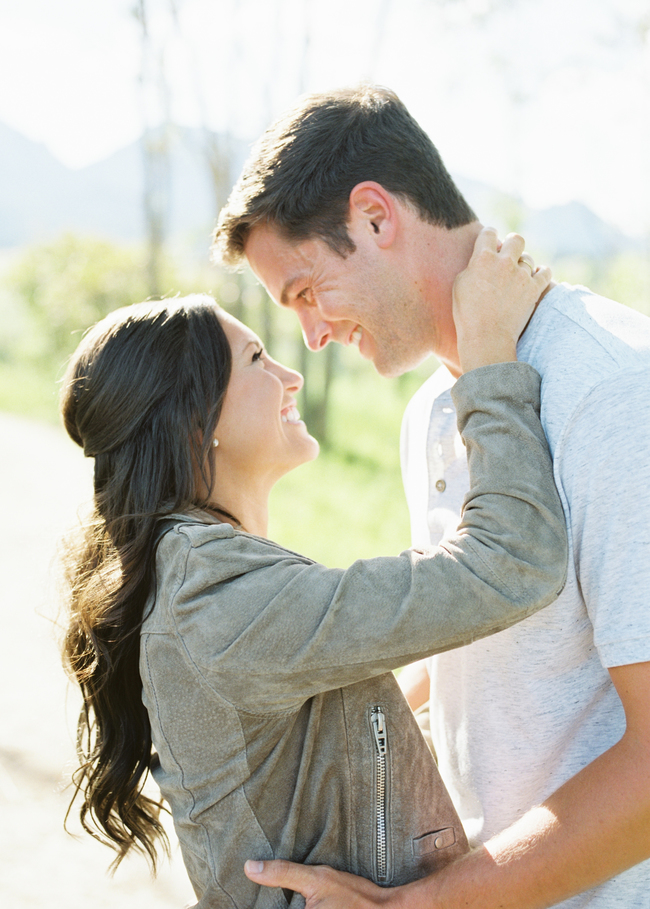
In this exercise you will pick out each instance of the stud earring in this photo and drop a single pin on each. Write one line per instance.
(215, 443)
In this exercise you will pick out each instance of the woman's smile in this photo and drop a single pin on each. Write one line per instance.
(259, 406)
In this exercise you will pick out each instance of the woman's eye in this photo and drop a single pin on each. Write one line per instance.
(258, 354)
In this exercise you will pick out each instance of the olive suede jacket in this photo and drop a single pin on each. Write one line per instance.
(279, 729)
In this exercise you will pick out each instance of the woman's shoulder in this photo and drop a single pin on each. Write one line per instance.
(179, 535)
(195, 551)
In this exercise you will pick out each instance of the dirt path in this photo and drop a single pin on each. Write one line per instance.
(44, 478)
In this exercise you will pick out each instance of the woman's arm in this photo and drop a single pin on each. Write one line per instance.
(277, 628)
(292, 628)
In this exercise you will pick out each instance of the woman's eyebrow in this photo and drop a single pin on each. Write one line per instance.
(255, 342)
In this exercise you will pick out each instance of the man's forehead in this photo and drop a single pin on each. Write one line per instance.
(270, 238)
(277, 262)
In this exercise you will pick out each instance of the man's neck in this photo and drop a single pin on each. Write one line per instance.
(444, 254)
(453, 250)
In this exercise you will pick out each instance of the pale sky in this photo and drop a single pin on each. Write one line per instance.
(547, 98)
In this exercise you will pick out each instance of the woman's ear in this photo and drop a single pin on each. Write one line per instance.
(374, 212)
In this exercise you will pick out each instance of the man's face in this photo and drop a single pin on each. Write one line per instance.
(365, 299)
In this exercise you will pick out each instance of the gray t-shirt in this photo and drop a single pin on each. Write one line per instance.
(516, 715)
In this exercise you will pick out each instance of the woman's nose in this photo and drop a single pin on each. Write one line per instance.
(292, 379)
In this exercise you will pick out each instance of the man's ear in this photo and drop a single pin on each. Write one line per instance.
(373, 211)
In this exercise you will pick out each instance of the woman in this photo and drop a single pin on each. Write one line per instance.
(263, 679)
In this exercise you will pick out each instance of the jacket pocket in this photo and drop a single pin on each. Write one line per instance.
(431, 842)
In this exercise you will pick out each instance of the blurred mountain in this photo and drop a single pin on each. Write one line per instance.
(574, 230)
(33, 186)
(561, 231)
(40, 198)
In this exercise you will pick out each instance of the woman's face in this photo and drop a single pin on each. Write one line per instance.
(260, 433)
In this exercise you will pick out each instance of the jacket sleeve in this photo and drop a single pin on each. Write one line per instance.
(281, 628)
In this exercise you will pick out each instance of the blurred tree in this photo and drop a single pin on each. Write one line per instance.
(69, 284)
(162, 35)
(319, 374)
(155, 99)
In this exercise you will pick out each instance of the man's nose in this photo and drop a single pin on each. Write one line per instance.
(316, 332)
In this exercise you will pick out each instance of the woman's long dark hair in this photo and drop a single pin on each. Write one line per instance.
(142, 396)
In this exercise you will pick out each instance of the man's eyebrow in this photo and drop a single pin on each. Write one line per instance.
(288, 284)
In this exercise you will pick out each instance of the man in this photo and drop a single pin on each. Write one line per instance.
(348, 217)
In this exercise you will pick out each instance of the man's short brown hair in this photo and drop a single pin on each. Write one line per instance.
(301, 172)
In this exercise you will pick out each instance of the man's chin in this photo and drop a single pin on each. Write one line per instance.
(389, 371)
(389, 368)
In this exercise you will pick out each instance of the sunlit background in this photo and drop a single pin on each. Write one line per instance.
(123, 124)
(546, 99)
(549, 100)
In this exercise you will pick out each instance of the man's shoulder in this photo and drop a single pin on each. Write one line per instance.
(583, 345)
(575, 327)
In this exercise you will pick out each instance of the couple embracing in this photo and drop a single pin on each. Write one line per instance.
(254, 684)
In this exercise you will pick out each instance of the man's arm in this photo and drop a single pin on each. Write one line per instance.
(415, 682)
(597, 824)
(594, 827)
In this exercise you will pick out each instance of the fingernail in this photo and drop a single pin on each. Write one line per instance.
(254, 867)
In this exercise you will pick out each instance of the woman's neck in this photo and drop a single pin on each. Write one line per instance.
(242, 512)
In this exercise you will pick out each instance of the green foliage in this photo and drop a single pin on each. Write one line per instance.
(69, 284)
(29, 389)
(49, 295)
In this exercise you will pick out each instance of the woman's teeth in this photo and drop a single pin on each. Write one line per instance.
(291, 416)
(355, 337)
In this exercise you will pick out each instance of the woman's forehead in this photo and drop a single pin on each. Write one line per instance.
(239, 335)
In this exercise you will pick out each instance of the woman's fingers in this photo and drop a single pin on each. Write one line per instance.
(494, 298)
(487, 240)
(528, 261)
(513, 246)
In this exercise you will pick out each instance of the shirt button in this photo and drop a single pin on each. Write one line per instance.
(441, 485)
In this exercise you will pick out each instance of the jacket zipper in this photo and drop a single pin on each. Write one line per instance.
(378, 721)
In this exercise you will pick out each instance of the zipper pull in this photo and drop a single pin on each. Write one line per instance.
(379, 729)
